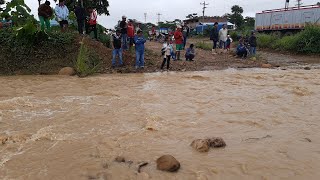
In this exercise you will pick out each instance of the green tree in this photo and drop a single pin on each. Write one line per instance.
(19, 11)
(100, 5)
(236, 16)
(249, 22)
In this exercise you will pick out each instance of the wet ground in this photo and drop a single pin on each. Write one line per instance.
(54, 127)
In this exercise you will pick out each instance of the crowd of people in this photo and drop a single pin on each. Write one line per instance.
(222, 40)
(86, 18)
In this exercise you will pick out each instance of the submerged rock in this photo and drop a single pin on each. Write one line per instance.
(120, 159)
(201, 145)
(67, 71)
(217, 142)
(266, 65)
(307, 68)
(168, 163)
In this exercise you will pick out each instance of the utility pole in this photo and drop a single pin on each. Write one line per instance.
(158, 14)
(204, 4)
(145, 17)
(299, 3)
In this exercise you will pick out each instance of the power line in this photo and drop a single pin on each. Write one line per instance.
(204, 4)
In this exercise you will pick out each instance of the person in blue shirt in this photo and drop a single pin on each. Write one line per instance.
(139, 42)
(7, 22)
(190, 53)
(241, 50)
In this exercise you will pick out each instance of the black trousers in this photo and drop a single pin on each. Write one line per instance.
(166, 59)
(80, 25)
(90, 28)
(242, 54)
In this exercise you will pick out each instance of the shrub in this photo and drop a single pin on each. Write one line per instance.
(265, 40)
(203, 45)
(87, 61)
(309, 40)
(287, 43)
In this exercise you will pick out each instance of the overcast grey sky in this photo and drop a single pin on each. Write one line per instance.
(177, 9)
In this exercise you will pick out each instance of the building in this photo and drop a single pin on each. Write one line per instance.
(194, 22)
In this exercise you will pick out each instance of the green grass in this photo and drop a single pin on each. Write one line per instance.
(204, 45)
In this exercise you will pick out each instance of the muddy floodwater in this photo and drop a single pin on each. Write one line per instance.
(55, 127)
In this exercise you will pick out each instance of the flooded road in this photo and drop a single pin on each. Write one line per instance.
(69, 128)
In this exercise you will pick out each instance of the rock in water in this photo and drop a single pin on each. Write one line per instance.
(307, 68)
(266, 65)
(168, 163)
(217, 142)
(201, 145)
(120, 159)
(67, 71)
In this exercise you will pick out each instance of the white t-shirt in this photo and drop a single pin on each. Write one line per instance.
(167, 48)
(223, 34)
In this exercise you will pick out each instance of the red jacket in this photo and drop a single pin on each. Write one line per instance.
(178, 37)
(130, 31)
(93, 18)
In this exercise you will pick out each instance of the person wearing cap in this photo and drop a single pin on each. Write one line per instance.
(178, 36)
(124, 31)
(214, 36)
(139, 42)
(62, 14)
(117, 48)
(45, 12)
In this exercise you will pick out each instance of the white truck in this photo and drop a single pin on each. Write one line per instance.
(287, 20)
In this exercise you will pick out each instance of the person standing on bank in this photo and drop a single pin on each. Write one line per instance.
(92, 22)
(117, 49)
(223, 35)
(45, 12)
(139, 41)
(81, 17)
(253, 44)
(185, 32)
(214, 36)
(62, 14)
(130, 32)
(178, 36)
(124, 31)
(167, 49)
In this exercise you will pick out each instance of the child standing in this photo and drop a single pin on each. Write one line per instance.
(117, 50)
(139, 41)
(190, 53)
(167, 50)
(228, 42)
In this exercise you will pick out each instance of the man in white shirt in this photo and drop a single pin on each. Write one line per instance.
(62, 14)
(223, 35)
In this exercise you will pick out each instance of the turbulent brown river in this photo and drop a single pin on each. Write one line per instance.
(55, 127)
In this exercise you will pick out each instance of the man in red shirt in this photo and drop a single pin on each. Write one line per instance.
(178, 36)
(130, 32)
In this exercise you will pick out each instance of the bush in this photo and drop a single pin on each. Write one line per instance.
(87, 61)
(309, 40)
(306, 41)
(265, 40)
(203, 45)
(287, 43)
